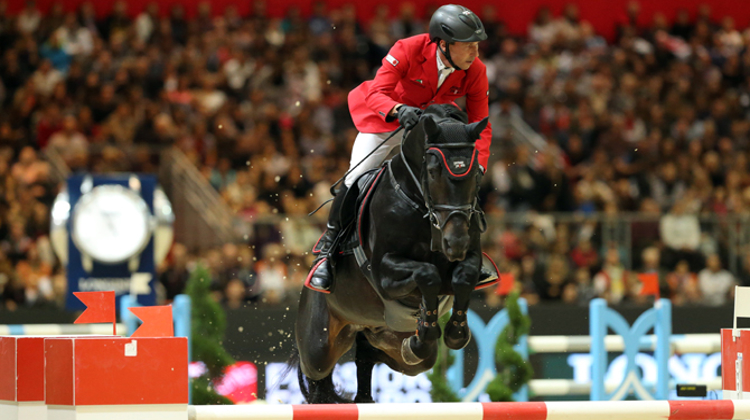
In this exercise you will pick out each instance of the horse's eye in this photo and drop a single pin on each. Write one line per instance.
(433, 166)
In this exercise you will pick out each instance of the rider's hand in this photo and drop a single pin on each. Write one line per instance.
(408, 116)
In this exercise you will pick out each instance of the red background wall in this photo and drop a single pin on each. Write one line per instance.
(603, 14)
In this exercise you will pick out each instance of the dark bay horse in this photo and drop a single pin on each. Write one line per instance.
(421, 235)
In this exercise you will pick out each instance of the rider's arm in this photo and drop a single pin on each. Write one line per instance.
(394, 68)
(477, 97)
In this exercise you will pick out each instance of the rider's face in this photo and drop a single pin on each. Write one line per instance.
(463, 53)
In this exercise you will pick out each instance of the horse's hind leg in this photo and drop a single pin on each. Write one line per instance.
(321, 339)
(389, 344)
(321, 391)
(365, 358)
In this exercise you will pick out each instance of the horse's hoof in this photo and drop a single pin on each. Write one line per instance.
(456, 337)
(407, 353)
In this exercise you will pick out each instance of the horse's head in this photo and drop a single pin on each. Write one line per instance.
(449, 180)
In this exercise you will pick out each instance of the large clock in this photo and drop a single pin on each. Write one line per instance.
(111, 224)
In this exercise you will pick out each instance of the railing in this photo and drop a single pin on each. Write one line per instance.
(629, 233)
(513, 127)
(728, 236)
(60, 170)
(202, 219)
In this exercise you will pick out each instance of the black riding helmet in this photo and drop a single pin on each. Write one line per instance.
(454, 23)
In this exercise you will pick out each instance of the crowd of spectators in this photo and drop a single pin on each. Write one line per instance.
(654, 121)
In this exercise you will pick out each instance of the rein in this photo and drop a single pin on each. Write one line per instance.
(335, 184)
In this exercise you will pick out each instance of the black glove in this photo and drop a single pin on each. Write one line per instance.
(408, 116)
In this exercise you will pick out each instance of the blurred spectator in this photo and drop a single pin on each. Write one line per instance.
(584, 289)
(526, 275)
(611, 282)
(235, 294)
(37, 279)
(743, 277)
(46, 78)
(272, 273)
(683, 285)
(146, 22)
(584, 255)
(406, 24)
(543, 30)
(175, 277)
(651, 265)
(556, 276)
(28, 170)
(29, 18)
(655, 122)
(69, 142)
(716, 284)
(54, 51)
(681, 233)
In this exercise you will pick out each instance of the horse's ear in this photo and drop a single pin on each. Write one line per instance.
(431, 128)
(475, 129)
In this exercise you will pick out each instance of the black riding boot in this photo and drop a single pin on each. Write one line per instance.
(321, 279)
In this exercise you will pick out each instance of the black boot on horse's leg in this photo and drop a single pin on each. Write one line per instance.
(421, 345)
(427, 325)
(321, 278)
(457, 333)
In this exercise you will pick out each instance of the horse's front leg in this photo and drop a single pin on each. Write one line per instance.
(399, 277)
(464, 279)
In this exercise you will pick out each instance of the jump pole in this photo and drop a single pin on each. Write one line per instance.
(554, 410)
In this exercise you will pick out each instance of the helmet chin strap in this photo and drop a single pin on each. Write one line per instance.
(447, 54)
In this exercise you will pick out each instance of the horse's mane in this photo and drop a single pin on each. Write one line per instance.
(447, 113)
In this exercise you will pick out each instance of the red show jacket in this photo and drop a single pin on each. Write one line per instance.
(409, 75)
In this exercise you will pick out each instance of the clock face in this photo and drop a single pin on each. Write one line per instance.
(111, 224)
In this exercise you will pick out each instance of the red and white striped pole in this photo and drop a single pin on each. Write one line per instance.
(567, 410)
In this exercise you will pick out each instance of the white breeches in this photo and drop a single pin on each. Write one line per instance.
(363, 145)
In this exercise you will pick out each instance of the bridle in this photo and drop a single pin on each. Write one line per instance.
(467, 211)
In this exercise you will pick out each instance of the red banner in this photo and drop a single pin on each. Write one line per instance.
(604, 15)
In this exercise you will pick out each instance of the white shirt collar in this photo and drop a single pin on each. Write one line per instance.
(443, 70)
(440, 64)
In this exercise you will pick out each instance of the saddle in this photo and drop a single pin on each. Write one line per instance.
(352, 208)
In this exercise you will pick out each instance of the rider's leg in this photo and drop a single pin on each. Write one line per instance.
(322, 279)
(363, 145)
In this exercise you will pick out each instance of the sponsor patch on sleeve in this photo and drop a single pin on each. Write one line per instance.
(391, 59)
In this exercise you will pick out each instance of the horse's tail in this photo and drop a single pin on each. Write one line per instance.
(301, 379)
(292, 364)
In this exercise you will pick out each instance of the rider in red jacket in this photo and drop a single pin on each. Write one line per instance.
(434, 68)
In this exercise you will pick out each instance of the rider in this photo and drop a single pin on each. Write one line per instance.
(426, 69)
